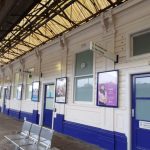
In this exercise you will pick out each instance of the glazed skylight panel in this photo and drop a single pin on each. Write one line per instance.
(43, 23)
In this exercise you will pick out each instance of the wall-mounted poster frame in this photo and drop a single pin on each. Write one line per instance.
(19, 92)
(61, 90)
(8, 92)
(35, 91)
(107, 88)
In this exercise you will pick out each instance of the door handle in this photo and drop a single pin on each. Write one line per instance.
(132, 112)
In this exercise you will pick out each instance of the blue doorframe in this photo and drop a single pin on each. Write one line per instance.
(48, 105)
(140, 112)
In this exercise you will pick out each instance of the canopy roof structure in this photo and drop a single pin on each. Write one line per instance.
(44, 20)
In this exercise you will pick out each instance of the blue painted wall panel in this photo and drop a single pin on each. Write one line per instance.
(120, 141)
(93, 135)
(58, 123)
(14, 113)
(26, 115)
(103, 138)
(6, 111)
(32, 117)
(35, 117)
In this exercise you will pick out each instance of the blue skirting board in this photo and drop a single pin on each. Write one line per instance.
(6, 111)
(14, 113)
(109, 140)
(21, 115)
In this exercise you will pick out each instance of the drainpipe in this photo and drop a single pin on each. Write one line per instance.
(22, 64)
(39, 58)
(11, 81)
(108, 24)
(64, 58)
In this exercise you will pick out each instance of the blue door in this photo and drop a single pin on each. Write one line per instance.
(141, 112)
(48, 105)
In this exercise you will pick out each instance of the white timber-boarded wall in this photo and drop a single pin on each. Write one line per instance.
(58, 61)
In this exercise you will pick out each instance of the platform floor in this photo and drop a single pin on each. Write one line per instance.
(9, 126)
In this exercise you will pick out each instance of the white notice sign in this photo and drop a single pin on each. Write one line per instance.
(144, 125)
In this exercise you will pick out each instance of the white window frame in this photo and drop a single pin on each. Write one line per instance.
(131, 39)
(83, 102)
(136, 29)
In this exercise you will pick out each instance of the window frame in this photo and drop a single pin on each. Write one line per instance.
(84, 102)
(136, 34)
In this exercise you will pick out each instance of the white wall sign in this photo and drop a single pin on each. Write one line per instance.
(144, 125)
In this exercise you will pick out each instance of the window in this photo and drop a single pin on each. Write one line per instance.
(17, 81)
(84, 76)
(140, 43)
(29, 79)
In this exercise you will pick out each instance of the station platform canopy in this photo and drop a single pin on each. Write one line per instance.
(25, 25)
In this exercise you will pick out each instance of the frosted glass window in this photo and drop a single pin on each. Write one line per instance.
(14, 91)
(141, 43)
(84, 76)
(84, 63)
(143, 110)
(143, 87)
(29, 80)
(17, 78)
(84, 88)
(49, 103)
(28, 91)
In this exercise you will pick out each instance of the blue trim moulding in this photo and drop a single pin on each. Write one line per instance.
(14, 113)
(58, 123)
(32, 117)
(120, 141)
(6, 111)
(103, 138)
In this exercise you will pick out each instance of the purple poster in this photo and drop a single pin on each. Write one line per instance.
(107, 89)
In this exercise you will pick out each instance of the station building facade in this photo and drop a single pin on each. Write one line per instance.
(124, 31)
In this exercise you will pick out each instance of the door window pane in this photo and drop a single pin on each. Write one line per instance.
(50, 91)
(84, 88)
(143, 87)
(49, 103)
(143, 110)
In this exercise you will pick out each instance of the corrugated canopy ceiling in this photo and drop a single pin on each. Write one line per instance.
(48, 20)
